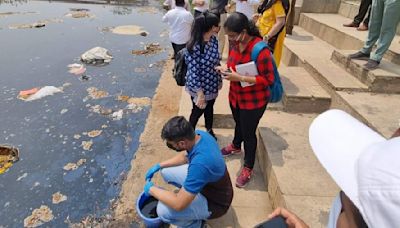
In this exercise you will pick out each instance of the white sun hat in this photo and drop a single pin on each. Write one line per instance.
(364, 165)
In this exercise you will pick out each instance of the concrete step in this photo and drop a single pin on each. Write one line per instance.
(350, 9)
(329, 27)
(294, 177)
(244, 212)
(385, 79)
(304, 49)
(379, 111)
(302, 93)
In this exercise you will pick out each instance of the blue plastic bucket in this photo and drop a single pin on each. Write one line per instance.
(148, 222)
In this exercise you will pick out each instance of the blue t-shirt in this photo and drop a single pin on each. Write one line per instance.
(206, 163)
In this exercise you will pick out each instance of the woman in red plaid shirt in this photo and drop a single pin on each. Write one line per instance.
(248, 103)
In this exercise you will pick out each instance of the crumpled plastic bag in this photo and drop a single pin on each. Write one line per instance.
(43, 92)
(96, 55)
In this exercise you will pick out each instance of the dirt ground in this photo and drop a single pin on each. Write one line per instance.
(152, 149)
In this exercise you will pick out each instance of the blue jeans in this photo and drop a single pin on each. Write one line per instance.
(193, 214)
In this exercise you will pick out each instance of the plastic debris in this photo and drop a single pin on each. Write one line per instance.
(26, 93)
(8, 156)
(58, 198)
(43, 92)
(27, 26)
(140, 70)
(79, 13)
(86, 145)
(117, 115)
(95, 93)
(74, 166)
(94, 133)
(77, 136)
(76, 69)
(63, 111)
(101, 110)
(96, 55)
(129, 30)
(149, 49)
(39, 216)
(22, 176)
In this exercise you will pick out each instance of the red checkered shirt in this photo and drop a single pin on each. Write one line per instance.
(255, 96)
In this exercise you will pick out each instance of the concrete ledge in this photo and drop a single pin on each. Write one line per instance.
(302, 93)
(303, 49)
(379, 111)
(291, 170)
(329, 27)
(385, 79)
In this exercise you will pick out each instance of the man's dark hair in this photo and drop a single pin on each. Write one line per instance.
(177, 129)
(180, 3)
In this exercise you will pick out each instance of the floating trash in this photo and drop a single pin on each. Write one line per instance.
(28, 26)
(36, 94)
(76, 68)
(129, 30)
(86, 145)
(8, 156)
(96, 55)
(94, 133)
(58, 198)
(117, 115)
(95, 93)
(73, 166)
(149, 49)
(39, 217)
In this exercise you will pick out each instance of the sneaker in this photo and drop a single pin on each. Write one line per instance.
(211, 132)
(244, 177)
(371, 64)
(359, 55)
(230, 150)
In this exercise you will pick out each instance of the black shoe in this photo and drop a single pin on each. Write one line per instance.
(211, 132)
(371, 64)
(359, 55)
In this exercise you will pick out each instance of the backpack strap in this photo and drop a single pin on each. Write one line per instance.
(257, 48)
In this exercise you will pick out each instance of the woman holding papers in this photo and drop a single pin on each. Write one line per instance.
(202, 79)
(248, 94)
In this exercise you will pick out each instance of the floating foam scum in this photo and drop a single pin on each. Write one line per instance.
(128, 30)
(39, 216)
(8, 156)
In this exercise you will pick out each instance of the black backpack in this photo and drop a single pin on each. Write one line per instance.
(180, 67)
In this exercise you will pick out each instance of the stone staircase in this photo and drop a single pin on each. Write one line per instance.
(317, 76)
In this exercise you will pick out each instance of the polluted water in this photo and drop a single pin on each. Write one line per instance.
(149, 208)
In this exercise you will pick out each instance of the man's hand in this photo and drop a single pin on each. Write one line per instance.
(147, 187)
(150, 173)
(291, 219)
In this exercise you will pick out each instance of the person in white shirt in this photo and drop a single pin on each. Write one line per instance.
(200, 6)
(247, 7)
(180, 22)
(170, 4)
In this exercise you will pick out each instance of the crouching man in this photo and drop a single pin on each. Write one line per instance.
(198, 170)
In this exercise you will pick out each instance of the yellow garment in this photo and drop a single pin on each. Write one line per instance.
(267, 21)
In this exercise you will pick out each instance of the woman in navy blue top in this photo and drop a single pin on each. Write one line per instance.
(202, 80)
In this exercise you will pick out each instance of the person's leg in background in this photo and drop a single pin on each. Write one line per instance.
(209, 117)
(374, 31)
(221, 34)
(290, 17)
(177, 48)
(390, 20)
(365, 22)
(191, 216)
(249, 120)
(362, 11)
(195, 114)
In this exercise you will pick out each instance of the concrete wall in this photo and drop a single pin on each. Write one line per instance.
(320, 6)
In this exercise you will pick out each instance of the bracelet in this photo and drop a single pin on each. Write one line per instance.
(266, 37)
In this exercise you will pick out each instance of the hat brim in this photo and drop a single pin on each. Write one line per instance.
(337, 140)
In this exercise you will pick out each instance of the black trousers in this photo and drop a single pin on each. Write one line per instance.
(362, 11)
(208, 114)
(177, 48)
(245, 131)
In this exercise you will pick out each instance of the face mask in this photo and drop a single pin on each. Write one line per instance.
(169, 145)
